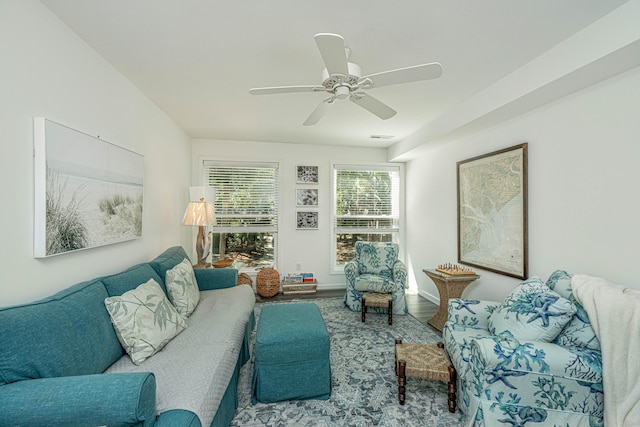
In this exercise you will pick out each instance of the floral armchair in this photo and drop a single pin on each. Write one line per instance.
(532, 360)
(376, 268)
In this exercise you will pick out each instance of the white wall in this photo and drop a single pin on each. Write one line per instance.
(311, 248)
(584, 201)
(48, 71)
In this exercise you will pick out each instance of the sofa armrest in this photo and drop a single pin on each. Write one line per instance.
(470, 312)
(216, 278)
(499, 355)
(119, 399)
(351, 272)
(400, 274)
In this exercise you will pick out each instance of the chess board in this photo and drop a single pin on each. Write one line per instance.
(455, 270)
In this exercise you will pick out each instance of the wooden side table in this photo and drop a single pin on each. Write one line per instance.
(448, 287)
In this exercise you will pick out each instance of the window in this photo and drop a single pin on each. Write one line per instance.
(366, 206)
(246, 209)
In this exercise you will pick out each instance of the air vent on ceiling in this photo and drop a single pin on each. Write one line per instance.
(381, 136)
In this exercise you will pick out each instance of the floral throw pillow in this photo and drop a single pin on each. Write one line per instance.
(532, 312)
(182, 288)
(144, 320)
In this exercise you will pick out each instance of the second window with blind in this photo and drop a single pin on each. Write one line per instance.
(246, 210)
(366, 206)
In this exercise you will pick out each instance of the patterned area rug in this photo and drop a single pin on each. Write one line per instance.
(365, 387)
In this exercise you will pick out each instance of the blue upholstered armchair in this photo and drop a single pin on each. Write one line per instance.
(532, 360)
(376, 268)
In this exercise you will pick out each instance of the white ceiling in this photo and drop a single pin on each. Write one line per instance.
(197, 59)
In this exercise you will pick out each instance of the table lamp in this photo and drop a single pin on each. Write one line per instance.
(200, 212)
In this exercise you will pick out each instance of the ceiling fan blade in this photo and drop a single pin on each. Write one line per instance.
(285, 89)
(372, 105)
(405, 75)
(320, 111)
(331, 47)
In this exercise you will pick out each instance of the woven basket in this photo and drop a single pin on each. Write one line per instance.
(244, 279)
(268, 282)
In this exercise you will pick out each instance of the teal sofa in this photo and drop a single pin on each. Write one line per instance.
(505, 378)
(61, 363)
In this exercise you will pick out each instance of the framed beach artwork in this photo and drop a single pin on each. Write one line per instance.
(307, 220)
(306, 197)
(306, 174)
(492, 211)
(88, 192)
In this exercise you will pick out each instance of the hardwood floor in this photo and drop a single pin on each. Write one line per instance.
(419, 307)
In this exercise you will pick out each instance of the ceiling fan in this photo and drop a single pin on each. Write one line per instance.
(342, 79)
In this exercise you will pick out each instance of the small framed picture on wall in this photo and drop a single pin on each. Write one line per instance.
(306, 174)
(307, 220)
(306, 197)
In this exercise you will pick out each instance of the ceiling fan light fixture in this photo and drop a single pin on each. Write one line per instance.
(342, 92)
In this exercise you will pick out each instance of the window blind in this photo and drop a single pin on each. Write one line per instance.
(366, 198)
(246, 196)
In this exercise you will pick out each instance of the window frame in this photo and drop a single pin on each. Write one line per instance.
(396, 232)
(207, 163)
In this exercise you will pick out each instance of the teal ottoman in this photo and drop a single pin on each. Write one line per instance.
(291, 354)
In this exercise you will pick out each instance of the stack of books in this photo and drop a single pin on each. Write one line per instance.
(299, 283)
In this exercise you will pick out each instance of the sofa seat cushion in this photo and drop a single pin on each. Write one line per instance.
(144, 320)
(533, 312)
(183, 288)
(51, 337)
(374, 283)
(193, 370)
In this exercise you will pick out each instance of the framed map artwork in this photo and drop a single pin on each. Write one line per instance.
(492, 212)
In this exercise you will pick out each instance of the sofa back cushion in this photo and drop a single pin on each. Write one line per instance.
(167, 260)
(533, 312)
(578, 333)
(66, 334)
(376, 258)
(131, 278)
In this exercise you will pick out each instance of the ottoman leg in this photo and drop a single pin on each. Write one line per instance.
(364, 308)
(402, 381)
(390, 309)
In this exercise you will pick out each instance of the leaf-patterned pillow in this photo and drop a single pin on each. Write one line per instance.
(182, 288)
(144, 320)
(532, 312)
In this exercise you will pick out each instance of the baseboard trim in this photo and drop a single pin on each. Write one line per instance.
(434, 299)
(331, 287)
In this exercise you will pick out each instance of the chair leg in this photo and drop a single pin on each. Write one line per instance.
(402, 381)
(398, 342)
(451, 395)
(364, 309)
(390, 309)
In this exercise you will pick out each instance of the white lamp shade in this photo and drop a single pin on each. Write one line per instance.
(199, 213)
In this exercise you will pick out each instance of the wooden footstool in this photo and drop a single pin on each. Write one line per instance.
(424, 361)
(375, 299)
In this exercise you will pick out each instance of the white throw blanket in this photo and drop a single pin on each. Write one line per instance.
(614, 312)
